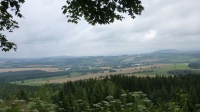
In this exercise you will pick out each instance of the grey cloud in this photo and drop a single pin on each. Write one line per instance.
(45, 32)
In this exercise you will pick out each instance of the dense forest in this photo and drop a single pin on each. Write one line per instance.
(32, 74)
(195, 65)
(116, 93)
(36, 74)
(183, 72)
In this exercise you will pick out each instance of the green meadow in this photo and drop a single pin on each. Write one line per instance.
(157, 70)
(163, 70)
(32, 82)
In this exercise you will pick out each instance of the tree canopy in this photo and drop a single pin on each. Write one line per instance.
(93, 11)
(7, 22)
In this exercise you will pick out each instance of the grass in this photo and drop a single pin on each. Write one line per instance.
(32, 82)
(77, 76)
(164, 70)
(178, 66)
(48, 69)
(74, 74)
(158, 69)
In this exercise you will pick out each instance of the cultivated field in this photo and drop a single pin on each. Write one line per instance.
(26, 69)
(129, 59)
(39, 66)
(159, 69)
(163, 70)
(97, 75)
(105, 67)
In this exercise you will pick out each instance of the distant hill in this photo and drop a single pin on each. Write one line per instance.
(167, 51)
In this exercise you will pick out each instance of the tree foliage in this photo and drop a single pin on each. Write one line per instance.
(113, 94)
(101, 11)
(7, 22)
(93, 11)
(195, 65)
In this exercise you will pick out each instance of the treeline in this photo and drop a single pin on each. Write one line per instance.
(158, 89)
(32, 74)
(35, 74)
(120, 93)
(183, 72)
(195, 65)
(94, 70)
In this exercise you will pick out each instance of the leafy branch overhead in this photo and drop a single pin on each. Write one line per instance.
(93, 11)
(6, 46)
(7, 22)
(101, 11)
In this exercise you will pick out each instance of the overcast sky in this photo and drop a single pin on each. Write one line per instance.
(165, 24)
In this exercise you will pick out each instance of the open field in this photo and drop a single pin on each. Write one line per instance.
(141, 75)
(97, 75)
(163, 70)
(105, 67)
(39, 65)
(128, 59)
(48, 69)
(62, 79)
(149, 60)
(34, 82)
(158, 69)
